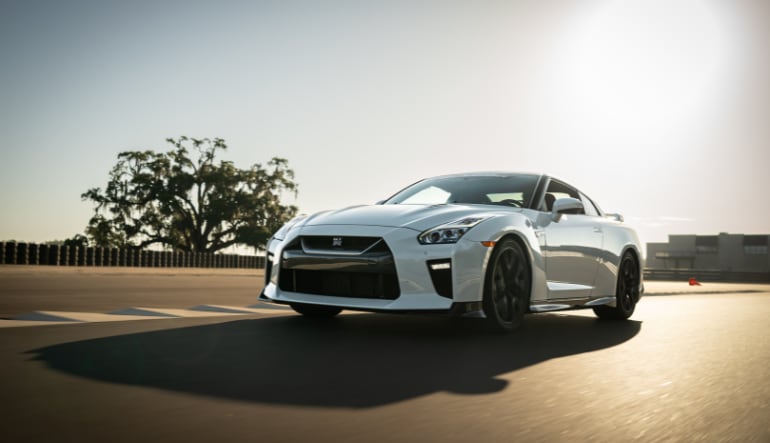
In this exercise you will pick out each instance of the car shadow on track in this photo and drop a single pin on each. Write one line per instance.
(356, 361)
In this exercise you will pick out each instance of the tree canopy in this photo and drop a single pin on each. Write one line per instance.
(187, 200)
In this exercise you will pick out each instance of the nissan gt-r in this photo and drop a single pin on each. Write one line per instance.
(496, 245)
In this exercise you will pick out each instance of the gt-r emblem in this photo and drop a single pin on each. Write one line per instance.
(336, 242)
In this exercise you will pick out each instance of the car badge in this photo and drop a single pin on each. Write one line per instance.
(336, 242)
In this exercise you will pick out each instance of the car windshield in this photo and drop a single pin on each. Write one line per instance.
(505, 190)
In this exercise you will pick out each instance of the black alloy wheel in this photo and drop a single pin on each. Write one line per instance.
(507, 286)
(627, 291)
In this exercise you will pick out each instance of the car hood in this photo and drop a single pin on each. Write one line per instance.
(417, 217)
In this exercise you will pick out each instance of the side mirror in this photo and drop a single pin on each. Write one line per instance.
(380, 202)
(616, 217)
(565, 204)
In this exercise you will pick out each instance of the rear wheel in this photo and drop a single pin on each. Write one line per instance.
(316, 311)
(626, 293)
(507, 286)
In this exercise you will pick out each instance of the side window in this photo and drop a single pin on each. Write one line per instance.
(589, 205)
(555, 191)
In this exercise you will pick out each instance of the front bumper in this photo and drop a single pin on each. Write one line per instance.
(408, 259)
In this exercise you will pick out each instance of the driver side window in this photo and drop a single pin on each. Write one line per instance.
(590, 209)
(555, 191)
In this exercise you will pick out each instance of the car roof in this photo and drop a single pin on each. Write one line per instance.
(489, 174)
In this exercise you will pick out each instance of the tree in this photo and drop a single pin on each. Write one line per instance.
(191, 203)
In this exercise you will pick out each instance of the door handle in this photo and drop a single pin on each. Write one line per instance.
(598, 229)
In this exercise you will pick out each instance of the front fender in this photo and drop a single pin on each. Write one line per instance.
(518, 226)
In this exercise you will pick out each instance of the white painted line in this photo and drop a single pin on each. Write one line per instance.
(43, 318)
(100, 317)
(263, 305)
(222, 309)
(47, 316)
(21, 323)
(181, 313)
(146, 312)
(40, 318)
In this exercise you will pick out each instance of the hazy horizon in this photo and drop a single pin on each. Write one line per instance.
(658, 110)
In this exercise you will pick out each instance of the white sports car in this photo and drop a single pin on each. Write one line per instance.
(501, 244)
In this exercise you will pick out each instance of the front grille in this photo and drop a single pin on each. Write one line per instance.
(346, 244)
(365, 270)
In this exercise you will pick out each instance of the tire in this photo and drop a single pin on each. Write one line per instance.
(316, 311)
(507, 286)
(626, 291)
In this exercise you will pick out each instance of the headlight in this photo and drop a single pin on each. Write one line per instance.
(449, 232)
(281, 233)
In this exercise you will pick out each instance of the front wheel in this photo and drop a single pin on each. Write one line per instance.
(626, 293)
(507, 286)
(316, 311)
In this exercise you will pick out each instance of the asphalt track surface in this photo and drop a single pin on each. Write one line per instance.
(685, 368)
(31, 288)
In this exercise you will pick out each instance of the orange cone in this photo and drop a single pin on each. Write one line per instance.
(694, 282)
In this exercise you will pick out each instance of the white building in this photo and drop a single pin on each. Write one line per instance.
(726, 253)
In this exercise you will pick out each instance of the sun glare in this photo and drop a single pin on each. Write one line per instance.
(641, 66)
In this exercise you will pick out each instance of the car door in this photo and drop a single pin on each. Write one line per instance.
(573, 245)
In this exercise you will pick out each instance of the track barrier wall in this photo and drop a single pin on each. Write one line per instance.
(13, 253)
(706, 275)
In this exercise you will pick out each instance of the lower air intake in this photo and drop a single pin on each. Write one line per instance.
(340, 283)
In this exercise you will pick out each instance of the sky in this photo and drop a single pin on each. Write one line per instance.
(657, 109)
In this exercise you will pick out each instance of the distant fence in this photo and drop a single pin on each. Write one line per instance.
(707, 275)
(12, 253)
